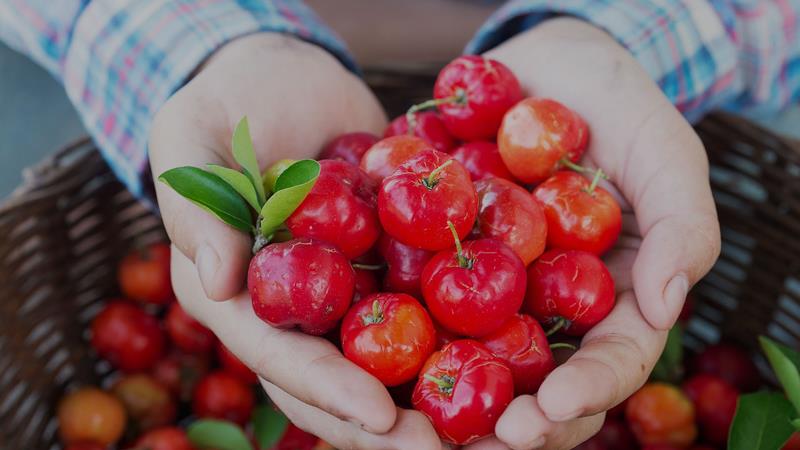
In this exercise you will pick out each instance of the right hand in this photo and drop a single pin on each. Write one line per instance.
(297, 97)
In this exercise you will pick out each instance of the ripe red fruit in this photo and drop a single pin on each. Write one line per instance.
(429, 127)
(149, 403)
(482, 160)
(580, 215)
(537, 134)
(221, 395)
(143, 275)
(444, 336)
(404, 265)
(660, 414)
(714, 402)
(349, 147)
(90, 415)
(187, 333)
(793, 443)
(570, 289)
(296, 439)
(522, 345)
(508, 213)
(366, 284)
(125, 335)
(302, 282)
(614, 435)
(180, 372)
(463, 389)
(234, 366)
(482, 90)
(340, 209)
(426, 192)
(388, 335)
(383, 158)
(165, 438)
(730, 363)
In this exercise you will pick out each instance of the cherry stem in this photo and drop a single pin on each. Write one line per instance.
(445, 383)
(598, 173)
(431, 180)
(368, 266)
(566, 162)
(597, 176)
(558, 345)
(376, 316)
(559, 324)
(463, 261)
(459, 98)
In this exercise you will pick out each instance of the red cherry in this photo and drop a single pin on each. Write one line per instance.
(129, 338)
(340, 209)
(793, 443)
(482, 160)
(537, 134)
(144, 275)
(389, 336)
(416, 202)
(296, 439)
(714, 402)
(580, 215)
(569, 288)
(444, 336)
(221, 395)
(508, 213)
(234, 366)
(349, 147)
(366, 284)
(480, 90)
(404, 265)
(614, 435)
(165, 438)
(383, 158)
(474, 290)
(429, 127)
(522, 345)
(187, 333)
(302, 282)
(730, 363)
(180, 372)
(463, 389)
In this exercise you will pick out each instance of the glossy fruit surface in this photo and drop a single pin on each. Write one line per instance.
(404, 265)
(383, 158)
(90, 415)
(349, 147)
(166, 438)
(180, 372)
(730, 363)
(187, 333)
(614, 435)
(366, 284)
(714, 402)
(234, 366)
(340, 209)
(429, 127)
(660, 414)
(485, 90)
(508, 213)
(302, 282)
(416, 202)
(536, 134)
(149, 404)
(579, 217)
(482, 160)
(521, 343)
(125, 335)
(570, 286)
(143, 275)
(388, 335)
(221, 395)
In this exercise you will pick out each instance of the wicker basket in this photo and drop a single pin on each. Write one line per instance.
(64, 230)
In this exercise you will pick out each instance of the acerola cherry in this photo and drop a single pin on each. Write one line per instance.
(660, 413)
(614, 435)
(522, 345)
(404, 265)
(793, 443)
(473, 93)
(234, 366)
(180, 372)
(508, 213)
(366, 284)
(383, 158)
(302, 282)
(143, 275)
(538, 135)
(221, 395)
(165, 438)
(426, 192)
(187, 333)
(296, 439)
(429, 127)
(90, 415)
(444, 336)
(463, 389)
(340, 209)
(714, 402)
(475, 288)
(730, 363)
(482, 160)
(148, 402)
(389, 336)
(569, 289)
(580, 215)
(125, 335)
(349, 147)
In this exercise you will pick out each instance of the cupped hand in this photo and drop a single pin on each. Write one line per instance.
(658, 171)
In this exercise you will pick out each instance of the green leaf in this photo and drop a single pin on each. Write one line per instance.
(761, 422)
(211, 193)
(269, 425)
(218, 435)
(239, 181)
(785, 363)
(291, 188)
(796, 424)
(669, 367)
(245, 155)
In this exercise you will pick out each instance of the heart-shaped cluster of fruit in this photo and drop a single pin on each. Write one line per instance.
(469, 222)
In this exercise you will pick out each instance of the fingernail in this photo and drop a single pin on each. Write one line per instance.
(207, 262)
(538, 442)
(675, 294)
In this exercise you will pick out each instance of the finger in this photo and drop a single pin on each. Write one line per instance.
(307, 367)
(411, 430)
(489, 443)
(614, 359)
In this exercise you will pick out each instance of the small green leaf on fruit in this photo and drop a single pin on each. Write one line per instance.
(785, 363)
(239, 181)
(291, 188)
(796, 424)
(269, 425)
(218, 435)
(669, 367)
(245, 155)
(761, 422)
(211, 193)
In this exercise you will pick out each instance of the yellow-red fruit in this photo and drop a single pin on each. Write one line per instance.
(661, 414)
(91, 415)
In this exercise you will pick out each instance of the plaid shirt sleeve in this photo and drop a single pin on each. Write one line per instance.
(120, 60)
(740, 55)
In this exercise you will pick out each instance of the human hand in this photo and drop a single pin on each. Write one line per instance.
(670, 235)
